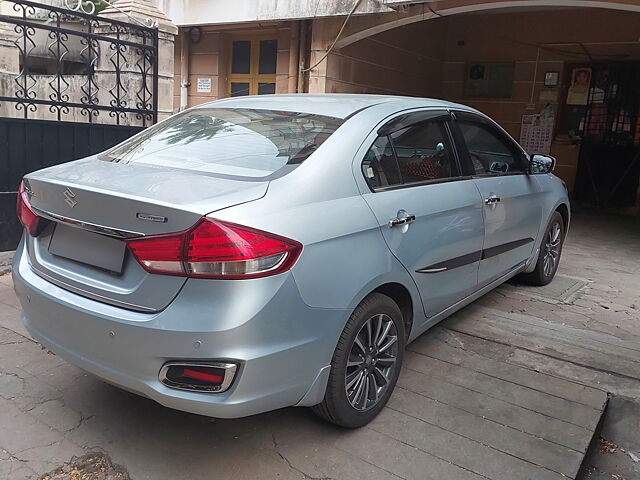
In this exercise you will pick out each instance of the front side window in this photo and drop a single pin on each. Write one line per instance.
(490, 153)
(236, 142)
(415, 154)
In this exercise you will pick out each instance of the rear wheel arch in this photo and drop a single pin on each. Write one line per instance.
(402, 297)
(563, 210)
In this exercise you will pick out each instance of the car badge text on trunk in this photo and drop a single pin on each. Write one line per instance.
(69, 197)
(151, 218)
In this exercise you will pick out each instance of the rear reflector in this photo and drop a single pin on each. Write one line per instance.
(26, 215)
(198, 376)
(216, 249)
(200, 373)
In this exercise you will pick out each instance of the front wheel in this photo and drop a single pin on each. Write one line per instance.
(365, 364)
(549, 256)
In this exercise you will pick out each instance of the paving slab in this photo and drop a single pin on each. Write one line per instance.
(512, 387)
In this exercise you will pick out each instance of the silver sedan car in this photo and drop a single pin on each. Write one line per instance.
(262, 252)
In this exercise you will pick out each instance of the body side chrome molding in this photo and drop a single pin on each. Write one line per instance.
(474, 257)
(505, 247)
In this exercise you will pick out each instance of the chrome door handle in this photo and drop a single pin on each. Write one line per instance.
(403, 218)
(491, 199)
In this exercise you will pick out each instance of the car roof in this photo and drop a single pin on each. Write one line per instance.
(339, 105)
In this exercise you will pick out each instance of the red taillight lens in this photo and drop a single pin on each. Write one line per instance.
(27, 217)
(215, 249)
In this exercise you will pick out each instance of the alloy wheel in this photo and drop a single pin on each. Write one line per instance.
(372, 361)
(552, 249)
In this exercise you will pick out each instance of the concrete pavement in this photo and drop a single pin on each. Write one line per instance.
(512, 387)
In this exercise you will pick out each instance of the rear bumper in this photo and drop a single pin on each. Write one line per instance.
(279, 342)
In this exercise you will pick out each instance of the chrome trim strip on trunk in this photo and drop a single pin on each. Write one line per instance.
(91, 295)
(92, 227)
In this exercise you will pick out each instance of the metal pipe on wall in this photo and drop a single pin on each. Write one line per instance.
(294, 53)
(185, 42)
(302, 42)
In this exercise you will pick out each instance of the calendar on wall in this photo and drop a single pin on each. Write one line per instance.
(536, 133)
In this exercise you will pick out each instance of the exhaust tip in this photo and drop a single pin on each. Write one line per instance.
(205, 377)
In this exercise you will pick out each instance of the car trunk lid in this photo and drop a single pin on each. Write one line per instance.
(94, 205)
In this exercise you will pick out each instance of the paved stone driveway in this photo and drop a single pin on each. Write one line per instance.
(512, 387)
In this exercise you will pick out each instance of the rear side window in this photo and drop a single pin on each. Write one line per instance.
(415, 154)
(379, 165)
(490, 153)
(233, 142)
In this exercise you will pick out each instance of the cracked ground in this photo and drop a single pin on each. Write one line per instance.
(512, 387)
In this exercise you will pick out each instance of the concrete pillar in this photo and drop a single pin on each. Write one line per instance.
(9, 54)
(323, 33)
(146, 13)
(9, 67)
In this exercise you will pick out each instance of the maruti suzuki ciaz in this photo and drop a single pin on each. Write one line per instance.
(255, 253)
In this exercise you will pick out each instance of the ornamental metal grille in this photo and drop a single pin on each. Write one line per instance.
(81, 67)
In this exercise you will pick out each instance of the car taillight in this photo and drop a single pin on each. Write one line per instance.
(26, 215)
(216, 249)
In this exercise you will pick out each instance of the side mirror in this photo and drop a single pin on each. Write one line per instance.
(499, 167)
(541, 163)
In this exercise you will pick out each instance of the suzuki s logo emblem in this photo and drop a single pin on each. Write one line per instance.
(69, 197)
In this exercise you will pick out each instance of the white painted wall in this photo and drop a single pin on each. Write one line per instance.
(219, 12)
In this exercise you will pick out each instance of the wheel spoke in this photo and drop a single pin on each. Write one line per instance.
(548, 265)
(375, 387)
(380, 323)
(384, 333)
(390, 342)
(545, 268)
(381, 374)
(358, 342)
(355, 363)
(356, 377)
(366, 391)
(387, 360)
(359, 390)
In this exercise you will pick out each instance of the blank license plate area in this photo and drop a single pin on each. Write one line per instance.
(88, 247)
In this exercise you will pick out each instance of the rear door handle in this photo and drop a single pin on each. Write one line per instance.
(491, 199)
(403, 218)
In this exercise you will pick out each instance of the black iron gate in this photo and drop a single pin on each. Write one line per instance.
(609, 164)
(84, 83)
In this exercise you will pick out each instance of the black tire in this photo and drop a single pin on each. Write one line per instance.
(342, 405)
(542, 275)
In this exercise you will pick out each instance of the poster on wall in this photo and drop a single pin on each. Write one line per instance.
(536, 132)
(203, 85)
(578, 93)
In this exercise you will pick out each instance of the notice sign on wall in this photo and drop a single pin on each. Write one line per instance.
(203, 85)
(536, 134)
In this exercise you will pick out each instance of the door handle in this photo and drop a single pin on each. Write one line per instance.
(492, 199)
(403, 218)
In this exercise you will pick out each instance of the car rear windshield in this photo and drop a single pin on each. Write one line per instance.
(234, 142)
